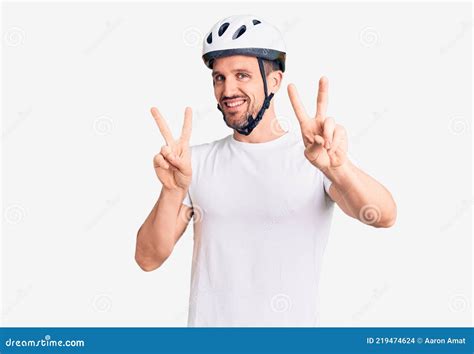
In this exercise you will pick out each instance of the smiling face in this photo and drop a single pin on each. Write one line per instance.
(238, 87)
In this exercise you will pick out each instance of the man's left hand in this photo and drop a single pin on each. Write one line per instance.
(325, 141)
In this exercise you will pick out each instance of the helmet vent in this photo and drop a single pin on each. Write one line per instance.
(256, 22)
(209, 38)
(239, 32)
(222, 28)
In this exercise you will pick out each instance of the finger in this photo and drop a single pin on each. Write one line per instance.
(322, 100)
(187, 125)
(166, 151)
(159, 161)
(173, 159)
(177, 162)
(318, 139)
(164, 129)
(315, 149)
(336, 139)
(328, 131)
(296, 103)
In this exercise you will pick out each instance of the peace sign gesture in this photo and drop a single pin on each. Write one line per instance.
(325, 141)
(173, 163)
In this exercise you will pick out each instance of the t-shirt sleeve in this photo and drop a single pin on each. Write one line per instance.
(187, 200)
(327, 183)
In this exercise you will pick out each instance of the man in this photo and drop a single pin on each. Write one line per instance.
(262, 198)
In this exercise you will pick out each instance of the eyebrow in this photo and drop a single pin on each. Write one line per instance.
(214, 73)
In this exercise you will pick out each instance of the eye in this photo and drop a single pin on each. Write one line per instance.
(242, 76)
(218, 77)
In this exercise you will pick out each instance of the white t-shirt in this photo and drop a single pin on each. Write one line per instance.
(263, 220)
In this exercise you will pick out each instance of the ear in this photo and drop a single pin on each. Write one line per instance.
(274, 80)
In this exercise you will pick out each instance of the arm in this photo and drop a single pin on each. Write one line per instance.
(360, 196)
(169, 218)
(357, 194)
(161, 230)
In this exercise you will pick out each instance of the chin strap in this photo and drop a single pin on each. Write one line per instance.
(251, 121)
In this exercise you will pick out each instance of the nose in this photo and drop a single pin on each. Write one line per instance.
(230, 88)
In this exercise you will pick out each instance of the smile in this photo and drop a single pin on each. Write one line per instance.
(234, 103)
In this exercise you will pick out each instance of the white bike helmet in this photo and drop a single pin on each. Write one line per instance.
(244, 35)
(251, 36)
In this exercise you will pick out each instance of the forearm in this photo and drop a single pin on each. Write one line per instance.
(157, 236)
(367, 200)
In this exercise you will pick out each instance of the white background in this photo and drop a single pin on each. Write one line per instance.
(78, 142)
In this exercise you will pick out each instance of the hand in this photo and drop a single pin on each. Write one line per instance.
(325, 141)
(173, 163)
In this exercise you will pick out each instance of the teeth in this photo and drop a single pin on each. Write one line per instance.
(234, 104)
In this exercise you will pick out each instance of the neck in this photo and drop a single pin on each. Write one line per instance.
(268, 129)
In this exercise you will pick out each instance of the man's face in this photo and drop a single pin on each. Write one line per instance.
(238, 88)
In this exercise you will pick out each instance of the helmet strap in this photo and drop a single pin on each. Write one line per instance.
(251, 121)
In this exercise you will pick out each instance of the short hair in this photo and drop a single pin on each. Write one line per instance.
(271, 66)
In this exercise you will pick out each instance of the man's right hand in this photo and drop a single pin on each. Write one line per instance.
(173, 163)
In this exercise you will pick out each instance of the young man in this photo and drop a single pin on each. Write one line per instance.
(262, 198)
